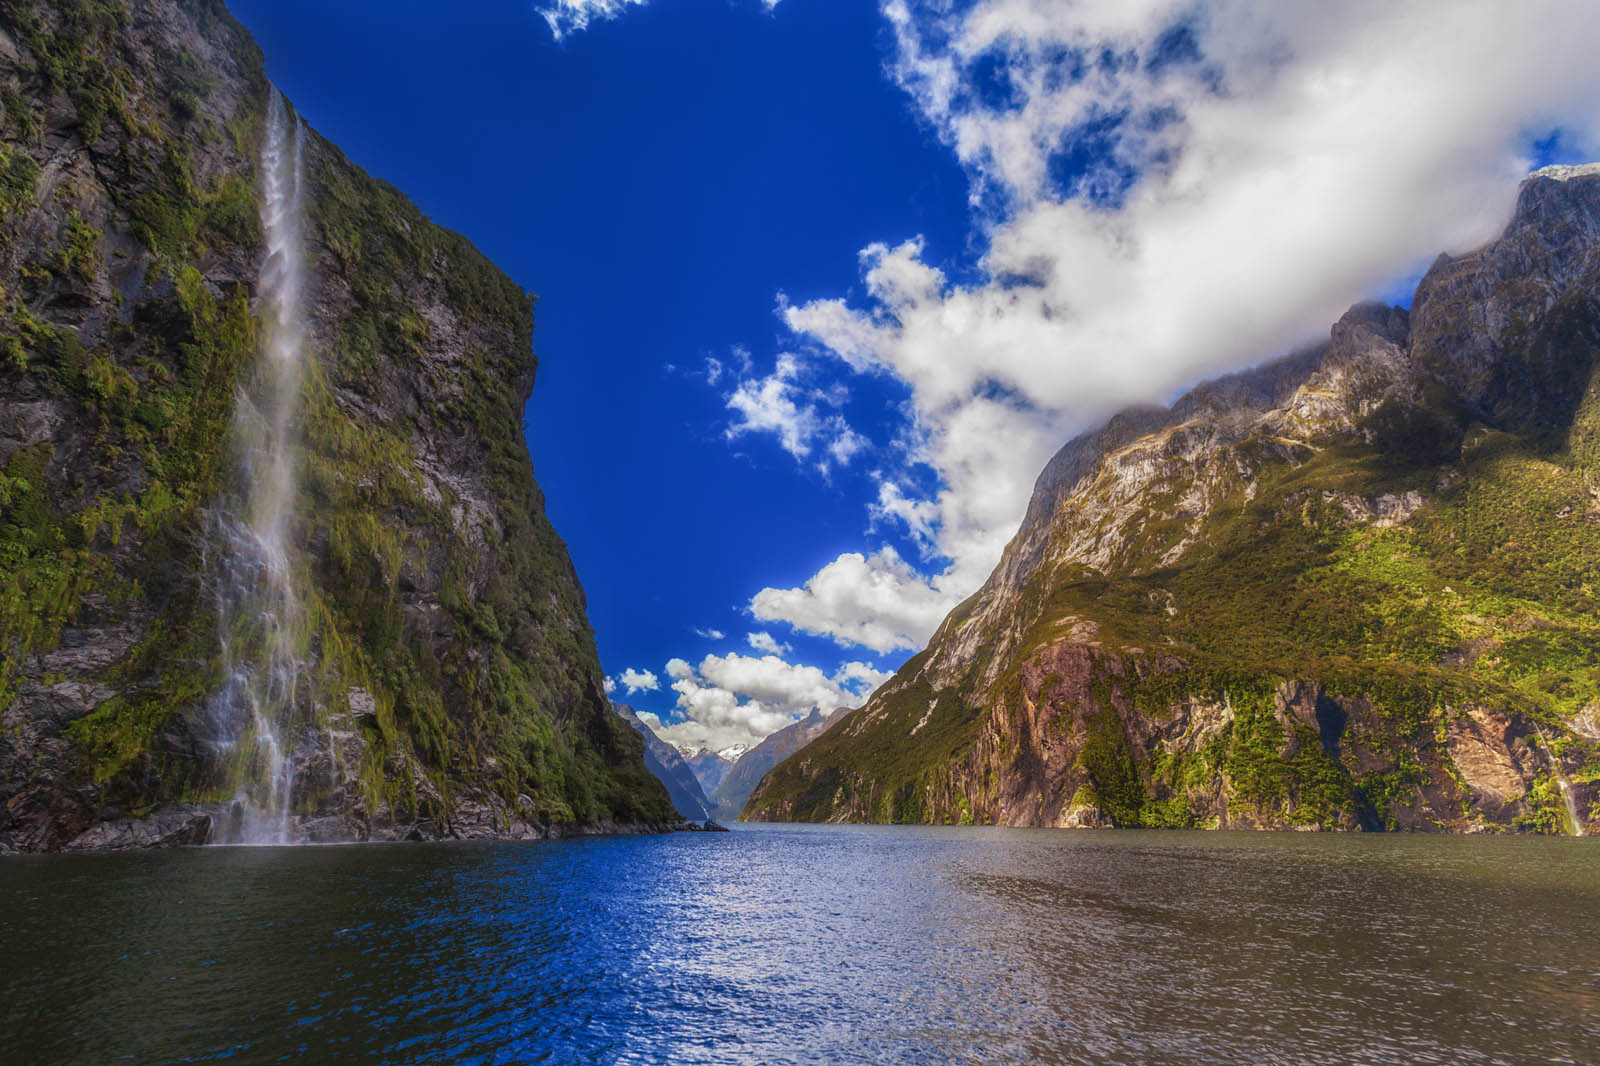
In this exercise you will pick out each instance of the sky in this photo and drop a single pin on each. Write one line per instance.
(823, 284)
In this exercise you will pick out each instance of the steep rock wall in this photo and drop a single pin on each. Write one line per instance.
(452, 685)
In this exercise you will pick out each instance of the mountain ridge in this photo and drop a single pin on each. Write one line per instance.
(1352, 588)
(747, 771)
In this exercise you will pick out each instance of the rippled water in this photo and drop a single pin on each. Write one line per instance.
(812, 945)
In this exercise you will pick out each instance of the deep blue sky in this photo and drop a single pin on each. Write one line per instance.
(657, 180)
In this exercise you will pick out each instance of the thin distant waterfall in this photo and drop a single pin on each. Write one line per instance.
(1574, 823)
(261, 619)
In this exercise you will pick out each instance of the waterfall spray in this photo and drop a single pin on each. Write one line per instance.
(261, 619)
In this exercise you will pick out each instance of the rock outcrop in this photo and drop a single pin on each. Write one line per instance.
(450, 686)
(1354, 589)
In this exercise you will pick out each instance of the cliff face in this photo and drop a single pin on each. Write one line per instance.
(1356, 588)
(449, 684)
(663, 760)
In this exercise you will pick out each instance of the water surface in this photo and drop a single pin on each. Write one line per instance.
(810, 944)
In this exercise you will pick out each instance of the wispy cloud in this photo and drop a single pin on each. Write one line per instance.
(566, 17)
(795, 413)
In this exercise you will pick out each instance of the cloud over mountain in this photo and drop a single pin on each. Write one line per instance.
(740, 699)
(1165, 191)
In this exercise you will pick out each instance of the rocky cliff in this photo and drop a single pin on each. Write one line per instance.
(448, 682)
(1354, 589)
(669, 767)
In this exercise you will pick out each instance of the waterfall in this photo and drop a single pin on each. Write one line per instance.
(1574, 823)
(260, 618)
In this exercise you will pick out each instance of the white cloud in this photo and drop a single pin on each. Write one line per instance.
(918, 516)
(610, 686)
(877, 601)
(765, 642)
(566, 17)
(573, 16)
(638, 681)
(710, 634)
(1168, 191)
(861, 677)
(784, 406)
(741, 699)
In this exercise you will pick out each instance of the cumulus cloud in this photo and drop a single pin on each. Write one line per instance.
(637, 681)
(741, 699)
(877, 601)
(783, 405)
(610, 686)
(1165, 191)
(766, 642)
(709, 634)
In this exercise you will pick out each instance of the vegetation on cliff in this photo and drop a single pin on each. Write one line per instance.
(452, 658)
(1356, 589)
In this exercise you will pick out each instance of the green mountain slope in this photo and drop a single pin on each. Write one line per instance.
(1357, 588)
(453, 685)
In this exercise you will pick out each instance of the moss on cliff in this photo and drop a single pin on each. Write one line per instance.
(430, 579)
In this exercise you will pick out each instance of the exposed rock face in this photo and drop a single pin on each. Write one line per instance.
(663, 760)
(451, 685)
(752, 766)
(1355, 588)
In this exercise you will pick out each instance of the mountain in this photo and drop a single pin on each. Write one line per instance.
(428, 669)
(1356, 589)
(710, 767)
(746, 773)
(663, 760)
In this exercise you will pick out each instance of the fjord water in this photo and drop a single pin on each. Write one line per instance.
(812, 944)
(259, 614)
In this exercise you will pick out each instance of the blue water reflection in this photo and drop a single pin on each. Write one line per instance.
(812, 945)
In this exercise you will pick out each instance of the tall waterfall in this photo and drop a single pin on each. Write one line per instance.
(261, 620)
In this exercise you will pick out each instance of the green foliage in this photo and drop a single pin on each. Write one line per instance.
(1108, 760)
(1489, 594)
(48, 569)
(500, 688)
(19, 177)
(80, 255)
(74, 51)
(1547, 810)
